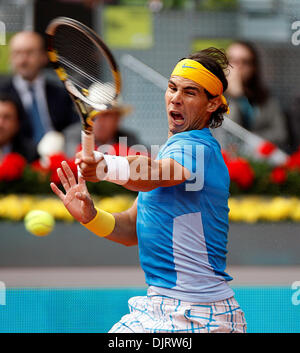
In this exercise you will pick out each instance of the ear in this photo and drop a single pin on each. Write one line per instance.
(213, 104)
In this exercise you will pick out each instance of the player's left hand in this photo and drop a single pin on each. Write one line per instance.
(77, 199)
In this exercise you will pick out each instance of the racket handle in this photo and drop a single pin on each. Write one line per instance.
(88, 144)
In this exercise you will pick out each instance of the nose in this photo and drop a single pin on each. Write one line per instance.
(176, 97)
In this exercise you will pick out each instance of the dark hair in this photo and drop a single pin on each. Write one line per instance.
(6, 97)
(215, 60)
(254, 88)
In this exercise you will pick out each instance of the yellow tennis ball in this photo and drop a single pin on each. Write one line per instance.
(39, 222)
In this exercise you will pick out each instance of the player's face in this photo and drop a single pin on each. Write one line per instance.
(187, 105)
(9, 123)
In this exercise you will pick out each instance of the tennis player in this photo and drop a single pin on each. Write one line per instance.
(180, 217)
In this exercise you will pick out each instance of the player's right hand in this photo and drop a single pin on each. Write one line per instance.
(90, 167)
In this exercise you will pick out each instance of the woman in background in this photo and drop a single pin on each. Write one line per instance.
(251, 104)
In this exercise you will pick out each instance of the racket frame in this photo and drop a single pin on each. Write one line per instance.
(86, 108)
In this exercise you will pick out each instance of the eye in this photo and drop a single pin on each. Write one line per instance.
(190, 93)
(172, 88)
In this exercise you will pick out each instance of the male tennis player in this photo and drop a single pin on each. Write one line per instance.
(180, 217)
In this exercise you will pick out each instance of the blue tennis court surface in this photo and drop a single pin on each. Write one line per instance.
(267, 309)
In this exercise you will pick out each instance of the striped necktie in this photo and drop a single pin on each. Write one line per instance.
(36, 123)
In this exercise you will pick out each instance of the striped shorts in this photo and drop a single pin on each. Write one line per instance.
(159, 314)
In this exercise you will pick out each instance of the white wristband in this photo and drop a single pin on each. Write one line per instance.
(118, 170)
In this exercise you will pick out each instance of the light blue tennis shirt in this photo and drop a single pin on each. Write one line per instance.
(182, 230)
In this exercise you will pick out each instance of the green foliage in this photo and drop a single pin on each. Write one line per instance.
(174, 4)
(218, 5)
(105, 188)
(4, 55)
(36, 182)
(133, 2)
(262, 184)
(32, 182)
(292, 184)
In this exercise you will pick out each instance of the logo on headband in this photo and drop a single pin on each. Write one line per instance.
(188, 67)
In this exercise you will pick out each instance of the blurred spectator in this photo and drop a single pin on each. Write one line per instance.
(155, 5)
(107, 132)
(294, 123)
(251, 104)
(46, 105)
(10, 138)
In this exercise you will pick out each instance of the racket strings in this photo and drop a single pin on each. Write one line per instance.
(108, 94)
(85, 64)
(79, 48)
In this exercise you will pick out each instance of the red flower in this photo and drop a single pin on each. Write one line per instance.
(55, 161)
(12, 167)
(293, 161)
(53, 164)
(38, 167)
(73, 166)
(266, 148)
(278, 175)
(226, 156)
(240, 172)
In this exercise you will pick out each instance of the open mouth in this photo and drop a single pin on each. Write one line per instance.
(177, 117)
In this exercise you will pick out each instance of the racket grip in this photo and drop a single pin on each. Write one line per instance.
(88, 144)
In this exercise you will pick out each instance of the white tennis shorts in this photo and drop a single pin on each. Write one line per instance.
(155, 313)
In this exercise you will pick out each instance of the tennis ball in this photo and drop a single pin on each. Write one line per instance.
(101, 93)
(39, 222)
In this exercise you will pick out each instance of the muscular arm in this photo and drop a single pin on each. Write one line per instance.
(125, 227)
(147, 174)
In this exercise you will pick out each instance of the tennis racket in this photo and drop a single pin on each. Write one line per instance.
(85, 65)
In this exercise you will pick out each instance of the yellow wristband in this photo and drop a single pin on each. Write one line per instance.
(102, 224)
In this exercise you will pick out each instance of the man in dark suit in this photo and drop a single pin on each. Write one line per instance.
(10, 138)
(46, 105)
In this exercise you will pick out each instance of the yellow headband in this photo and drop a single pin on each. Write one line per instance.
(196, 72)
